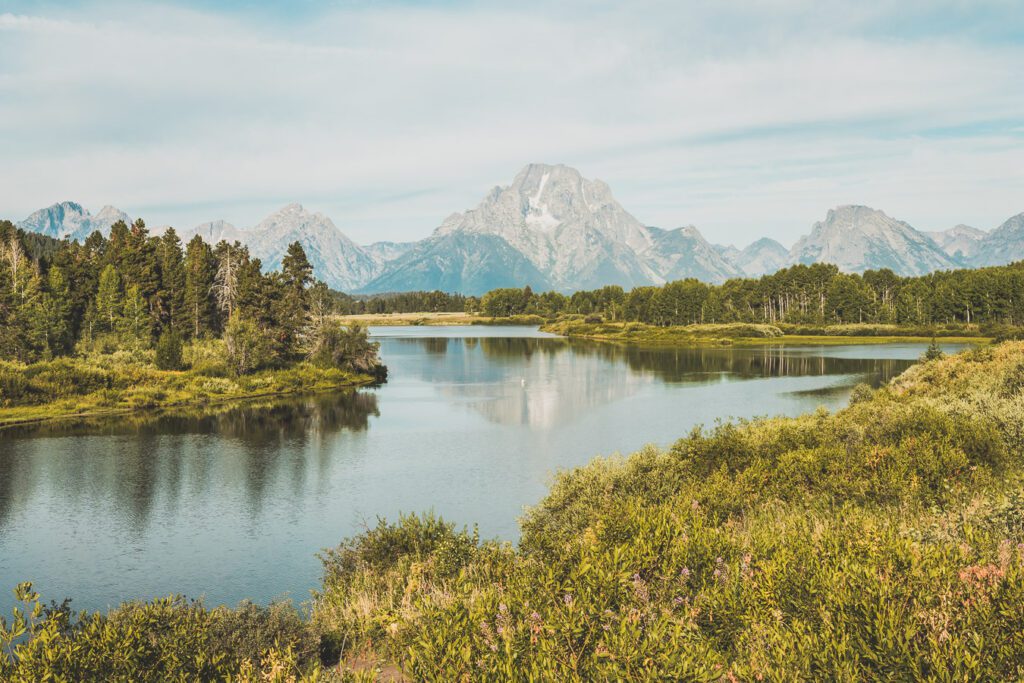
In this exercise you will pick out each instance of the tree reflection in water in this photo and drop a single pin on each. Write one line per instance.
(266, 442)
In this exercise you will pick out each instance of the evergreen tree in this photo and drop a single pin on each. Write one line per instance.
(171, 295)
(200, 268)
(296, 268)
(56, 309)
(168, 351)
(135, 324)
(108, 300)
(293, 307)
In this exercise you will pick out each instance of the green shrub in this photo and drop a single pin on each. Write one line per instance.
(246, 346)
(13, 384)
(347, 348)
(248, 631)
(168, 351)
(166, 639)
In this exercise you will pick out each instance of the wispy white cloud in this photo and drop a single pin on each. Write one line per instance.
(742, 118)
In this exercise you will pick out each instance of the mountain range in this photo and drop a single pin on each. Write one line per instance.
(551, 228)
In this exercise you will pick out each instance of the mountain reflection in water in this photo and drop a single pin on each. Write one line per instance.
(543, 382)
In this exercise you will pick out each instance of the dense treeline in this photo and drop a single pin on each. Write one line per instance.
(815, 294)
(405, 302)
(133, 290)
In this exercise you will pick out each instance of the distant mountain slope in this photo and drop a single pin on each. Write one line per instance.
(466, 262)
(215, 231)
(70, 219)
(1003, 245)
(762, 257)
(683, 252)
(859, 238)
(383, 252)
(551, 228)
(960, 242)
(336, 259)
(570, 228)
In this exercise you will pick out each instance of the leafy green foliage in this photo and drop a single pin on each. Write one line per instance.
(346, 347)
(247, 348)
(167, 639)
(168, 351)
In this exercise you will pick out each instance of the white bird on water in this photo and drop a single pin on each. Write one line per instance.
(523, 381)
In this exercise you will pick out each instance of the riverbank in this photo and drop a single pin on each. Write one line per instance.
(125, 382)
(750, 334)
(438, 318)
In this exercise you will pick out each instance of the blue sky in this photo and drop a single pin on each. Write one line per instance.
(742, 118)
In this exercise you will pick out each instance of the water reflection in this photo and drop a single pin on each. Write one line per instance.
(542, 382)
(146, 458)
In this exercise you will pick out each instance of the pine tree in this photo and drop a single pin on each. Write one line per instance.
(200, 267)
(108, 300)
(296, 273)
(56, 309)
(296, 268)
(171, 295)
(135, 324)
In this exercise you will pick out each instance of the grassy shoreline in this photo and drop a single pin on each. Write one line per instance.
(730, 334)
(121, 384)
(430, 319)
(738, 334)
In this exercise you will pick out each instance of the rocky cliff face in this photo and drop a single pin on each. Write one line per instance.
(71, 220)
(960, 242)
(1003, 245)
(859, 238)
(466, 262)
(570, 228)
(336, 259)
(215, 231)
(683, 252)
(762, 257)
(383, 253)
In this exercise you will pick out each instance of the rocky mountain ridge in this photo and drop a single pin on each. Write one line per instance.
(551, 228)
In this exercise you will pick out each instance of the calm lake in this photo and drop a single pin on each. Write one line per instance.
(472, 424)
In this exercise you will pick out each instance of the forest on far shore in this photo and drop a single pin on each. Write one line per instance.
(817, 294)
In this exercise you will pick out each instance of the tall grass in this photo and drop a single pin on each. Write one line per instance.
(123, 381)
